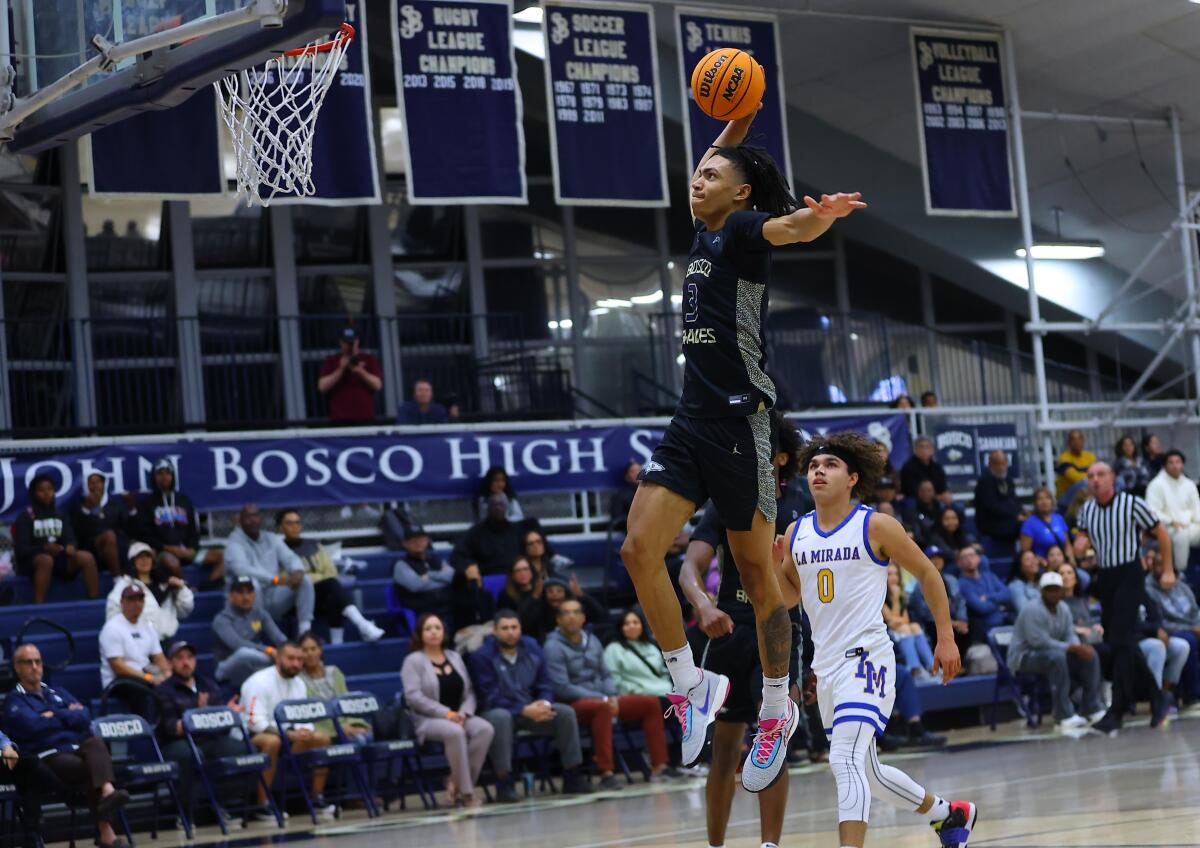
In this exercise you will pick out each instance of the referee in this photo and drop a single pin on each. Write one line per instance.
(1113, 523)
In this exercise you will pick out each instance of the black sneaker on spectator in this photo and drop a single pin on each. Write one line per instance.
(1160, 709)
(890, 742)
(506, 793)
(576, 783)
(1109, 725)
(610, 783)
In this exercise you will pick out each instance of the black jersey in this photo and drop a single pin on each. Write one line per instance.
(724, 320)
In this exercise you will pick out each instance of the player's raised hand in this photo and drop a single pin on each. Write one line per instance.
(835, 205)
(946, 660)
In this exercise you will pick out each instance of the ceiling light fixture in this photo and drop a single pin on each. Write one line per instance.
(1062, 248)
(644, 299)
(614, 303)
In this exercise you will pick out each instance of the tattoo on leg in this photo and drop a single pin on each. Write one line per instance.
(776, 634)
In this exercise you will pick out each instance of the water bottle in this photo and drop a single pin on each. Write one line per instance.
(527, 777)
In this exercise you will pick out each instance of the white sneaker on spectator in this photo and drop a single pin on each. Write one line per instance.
(1073, 722)
(1096, 716)
(372, 632)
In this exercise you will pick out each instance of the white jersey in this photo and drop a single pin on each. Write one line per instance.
(843, 584)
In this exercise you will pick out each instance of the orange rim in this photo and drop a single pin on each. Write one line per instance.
(345, 33)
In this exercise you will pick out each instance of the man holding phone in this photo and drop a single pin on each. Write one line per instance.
(349, 380)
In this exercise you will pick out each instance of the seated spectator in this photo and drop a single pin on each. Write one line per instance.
(633, 660)
(1177, 502)
(948, 533)
(44, 544)
(522, 586)
(1056, 559)
(490, 545)
(441, 700)
(885, 493)
(166, 520)
(902, 401)
(539, 618)
(278, 574)
(575, 660)
(545, 562)
(244, 636)
(1132, 472)
(921, 513)
(98, 523)
(1075, 598)
(1045, 527)
(331, 600)
(1024, 587)
(911, 642)
(422, 409)
(1085, 563)
(885, 454)
(919, 611)
(394, 523)
(53, 726)
(422, 578)
(495, 482)
(349, 380)
(998, 511)
(622, 499)
(1166, 655)
(165, 602)
(922, 466)
(1181, 617)
(929, 398)
(453, 409)
(908, 708)
(474, 608)
(1071, 467)
(22, 773)
(989, 603)
(129, 646)
(1152, 454)
(1044, 642)
(262, 692)
(515, 693)
(327, 682)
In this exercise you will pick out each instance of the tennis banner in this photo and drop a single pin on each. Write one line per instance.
(602, 88)
(700, 31)
(963, 123)
(459, 101)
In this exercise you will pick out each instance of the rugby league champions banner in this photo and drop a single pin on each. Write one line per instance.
(602, 86)
(963, 449)
(459, 101)
(700, 32)
(222, 475)
(963, 120)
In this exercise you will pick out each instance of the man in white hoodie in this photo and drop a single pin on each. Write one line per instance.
(1177, 501)
(277, 572)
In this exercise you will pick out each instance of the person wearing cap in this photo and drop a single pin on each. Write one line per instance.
(422, 409)
(44, 544)
(278, 573)
(166, 602)
(1044, 642)
(998, 511)
(1175, 499)
(244, 635)
(885, 493)
(349, 380)
(422, 578)
(129, 645)
(166, 520)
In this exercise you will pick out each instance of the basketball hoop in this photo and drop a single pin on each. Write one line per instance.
(272, 113)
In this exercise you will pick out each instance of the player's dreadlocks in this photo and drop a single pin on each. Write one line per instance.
(769, 191)
(785, 438)
(856, 450)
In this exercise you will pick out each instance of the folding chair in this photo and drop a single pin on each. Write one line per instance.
(390, 753)
(406, 619)
(138, 762)
(211, 721)
(494, 584)
(1025, 690)
(302, 763)
(12, 822)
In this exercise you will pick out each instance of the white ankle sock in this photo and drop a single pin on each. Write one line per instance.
(337, 635)
(774, 696)
(356, 617)
(770, 845)
(681, 664)
(939, 810)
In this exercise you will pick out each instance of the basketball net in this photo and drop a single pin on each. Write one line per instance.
(271, 113)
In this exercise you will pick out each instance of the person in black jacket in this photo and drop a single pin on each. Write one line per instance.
(44, 544)
(998, 511)
(622, 498)
(922, 466)
(539, 616)
(168, 524)
(99, 524)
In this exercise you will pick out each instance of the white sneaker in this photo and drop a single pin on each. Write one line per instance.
(371, 632)
(696, 711)
(768, 752)
(1073, 722)
(1096, 716)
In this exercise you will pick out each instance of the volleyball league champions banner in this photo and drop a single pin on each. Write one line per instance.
(602, 87)
(700, 32)
(459, 101)
(963, 118)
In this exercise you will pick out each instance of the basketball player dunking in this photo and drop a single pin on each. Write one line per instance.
(718, 445)
(835, 559)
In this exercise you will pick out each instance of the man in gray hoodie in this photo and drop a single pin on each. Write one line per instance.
(244, 636)
(278, 573)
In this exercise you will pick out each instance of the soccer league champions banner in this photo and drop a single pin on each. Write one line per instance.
(962, 113)
(602, 87)
(459, 101)
(702, 31)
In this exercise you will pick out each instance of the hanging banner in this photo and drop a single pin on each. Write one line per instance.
(459, 101)
(963, 450)
(962, 114)
(700, 31)
(606, 134)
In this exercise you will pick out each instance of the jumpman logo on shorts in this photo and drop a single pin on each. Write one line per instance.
(736, 452)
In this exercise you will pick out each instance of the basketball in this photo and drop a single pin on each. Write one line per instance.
(728, 84)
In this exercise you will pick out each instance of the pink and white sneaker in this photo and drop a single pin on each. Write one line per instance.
(768, 752)
(696, 711)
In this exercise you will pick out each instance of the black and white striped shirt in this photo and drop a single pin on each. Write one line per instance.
(1115, 530)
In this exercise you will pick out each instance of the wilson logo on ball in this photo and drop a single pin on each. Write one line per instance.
(727, 84)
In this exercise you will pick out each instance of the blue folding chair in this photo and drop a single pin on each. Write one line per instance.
(138, 763)
(399, 758)
(342, 755)
(494, 583)
(405, 618)
(211, 721)
(1025, 690)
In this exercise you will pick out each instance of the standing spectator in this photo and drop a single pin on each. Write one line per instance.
(165, 602)
(244, 636)
(541, 560)
(349, 379)
(490, 545)
(922, 512)
(44, 544)
(1024, 587)
(1176, 501)
(1086, 627)
(911, 642)
(439, 695)
(575, 659)
(998, 511)
(922, 466)
(515, 694)
(989, 603)
(949, 533)
(331, 600)
(422, 578)
(1166, 655)
(1044, 642)
(902, 401)
(622, 499)
(130, 647)
(1045, 528)
(634, 661)
(1152, 454)
(167, 522)
(51, 725)
(1072, 464)
(521, 587)
(422, 409)
(1132, 472)
(327, 682)
(929, 399)
(278, 573)
(262, 692)
(495, 482)
(1181, 616)
(540, 617)
(919, 611)
(97, 523)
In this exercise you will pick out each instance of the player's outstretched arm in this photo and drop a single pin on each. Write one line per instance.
(811, 222)
(889, 539)
(785, 569)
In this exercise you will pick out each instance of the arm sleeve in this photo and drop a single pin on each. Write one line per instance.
(235, 558)
(274, 634)
(556, 667)
(975, 603)
(185, 601)
(112, 606)
(442, 576)
(543, 686)
(257, 719)
(168, 711)
(1035, 631)
(110, 644)
(483, 678)
(407, 579)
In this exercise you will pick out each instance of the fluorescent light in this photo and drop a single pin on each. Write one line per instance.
(553, 325)
(545, 254)
(599, 310)
(532, 15)
(1066, 249)
(566, 323)
(671, 262)
(677, 299)
(679, 360)
(614, 303)
(643, 299)
(854, 337)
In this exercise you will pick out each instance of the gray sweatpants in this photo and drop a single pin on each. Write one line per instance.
(563, 727)
(279, 599)
(1060, 668)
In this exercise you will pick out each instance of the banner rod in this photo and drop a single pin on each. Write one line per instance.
(824, 13)
(1161, 123)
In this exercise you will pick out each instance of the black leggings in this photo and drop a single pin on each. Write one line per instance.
(331, 599)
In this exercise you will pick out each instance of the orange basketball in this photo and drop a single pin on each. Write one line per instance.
(728, 84)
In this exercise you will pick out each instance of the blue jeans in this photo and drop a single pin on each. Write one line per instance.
(915, 651)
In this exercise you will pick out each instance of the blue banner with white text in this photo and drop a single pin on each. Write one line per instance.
(963, 450)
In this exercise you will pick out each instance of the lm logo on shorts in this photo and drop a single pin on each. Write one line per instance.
(876, 681)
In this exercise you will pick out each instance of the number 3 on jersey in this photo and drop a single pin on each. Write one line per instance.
(691, 302)
(825, 585)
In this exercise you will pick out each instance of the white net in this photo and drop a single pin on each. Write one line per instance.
(271, 113)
